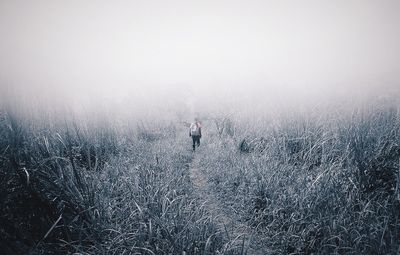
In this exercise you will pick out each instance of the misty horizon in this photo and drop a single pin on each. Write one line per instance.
(215, 52)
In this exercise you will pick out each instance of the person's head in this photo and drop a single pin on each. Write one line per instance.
(196, 119)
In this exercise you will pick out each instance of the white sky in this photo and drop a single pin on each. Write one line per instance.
(214, 49)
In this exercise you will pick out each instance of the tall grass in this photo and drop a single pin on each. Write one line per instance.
(308, 184)
(92, 188)
(315, 185)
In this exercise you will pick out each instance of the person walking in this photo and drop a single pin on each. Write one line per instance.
(195, 133)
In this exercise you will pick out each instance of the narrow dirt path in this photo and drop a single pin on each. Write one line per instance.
(240, 235)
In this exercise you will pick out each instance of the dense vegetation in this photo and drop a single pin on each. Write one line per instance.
(73, 187)
(328, 185)
(308, 184)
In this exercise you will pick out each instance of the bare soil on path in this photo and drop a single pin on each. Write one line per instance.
(241, 236)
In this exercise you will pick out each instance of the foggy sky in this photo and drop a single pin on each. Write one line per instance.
(156, 51)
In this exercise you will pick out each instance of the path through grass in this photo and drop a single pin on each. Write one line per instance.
(239, 234)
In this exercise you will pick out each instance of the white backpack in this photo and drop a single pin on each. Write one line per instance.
(194, 129)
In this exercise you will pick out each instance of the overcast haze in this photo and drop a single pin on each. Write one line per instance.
(151, 51)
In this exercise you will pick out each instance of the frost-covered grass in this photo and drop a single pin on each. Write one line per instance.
(326, 185)
(308, 184)
(71, 187)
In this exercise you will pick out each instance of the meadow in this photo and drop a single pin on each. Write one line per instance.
(304, 183)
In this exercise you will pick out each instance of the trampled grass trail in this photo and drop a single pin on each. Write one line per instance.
(239, 234)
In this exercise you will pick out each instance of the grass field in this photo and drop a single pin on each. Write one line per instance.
(302, 183)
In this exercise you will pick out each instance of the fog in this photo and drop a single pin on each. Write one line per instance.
(141, 55)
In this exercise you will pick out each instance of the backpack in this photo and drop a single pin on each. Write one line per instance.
(194, 129)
